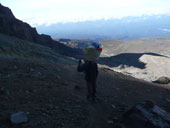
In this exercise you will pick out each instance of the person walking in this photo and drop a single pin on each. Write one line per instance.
(90, 69)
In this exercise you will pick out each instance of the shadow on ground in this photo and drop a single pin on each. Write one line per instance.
(128, 59)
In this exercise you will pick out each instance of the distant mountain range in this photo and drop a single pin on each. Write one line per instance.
(123, 29)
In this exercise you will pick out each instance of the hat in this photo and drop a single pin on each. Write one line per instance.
(92, 51)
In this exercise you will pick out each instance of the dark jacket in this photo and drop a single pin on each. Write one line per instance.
(91, 70)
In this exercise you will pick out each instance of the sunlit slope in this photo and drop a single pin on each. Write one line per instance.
(155, 45)
(146, 59)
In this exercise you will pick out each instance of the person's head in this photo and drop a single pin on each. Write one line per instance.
(98, 46)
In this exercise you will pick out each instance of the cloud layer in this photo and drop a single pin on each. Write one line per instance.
(37, 12)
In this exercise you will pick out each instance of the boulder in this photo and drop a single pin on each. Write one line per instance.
(19, 117)
(162, 80)
(146, 115)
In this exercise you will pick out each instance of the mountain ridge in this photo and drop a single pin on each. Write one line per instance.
(11, 26)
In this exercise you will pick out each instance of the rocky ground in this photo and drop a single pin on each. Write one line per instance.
(53, 95)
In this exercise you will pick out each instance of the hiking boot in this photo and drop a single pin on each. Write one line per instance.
(94, 98)
(88, 97)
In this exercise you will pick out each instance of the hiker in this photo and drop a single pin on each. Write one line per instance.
(91, 72)
(89, 67)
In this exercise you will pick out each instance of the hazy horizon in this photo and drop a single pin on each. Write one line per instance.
(123, 29)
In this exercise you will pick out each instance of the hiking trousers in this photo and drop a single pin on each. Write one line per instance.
(91, 89)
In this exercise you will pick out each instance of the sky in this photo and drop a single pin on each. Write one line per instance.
(38, 12)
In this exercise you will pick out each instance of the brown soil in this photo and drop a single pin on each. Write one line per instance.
(54, 95)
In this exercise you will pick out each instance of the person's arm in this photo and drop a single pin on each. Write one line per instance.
(81, 67)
